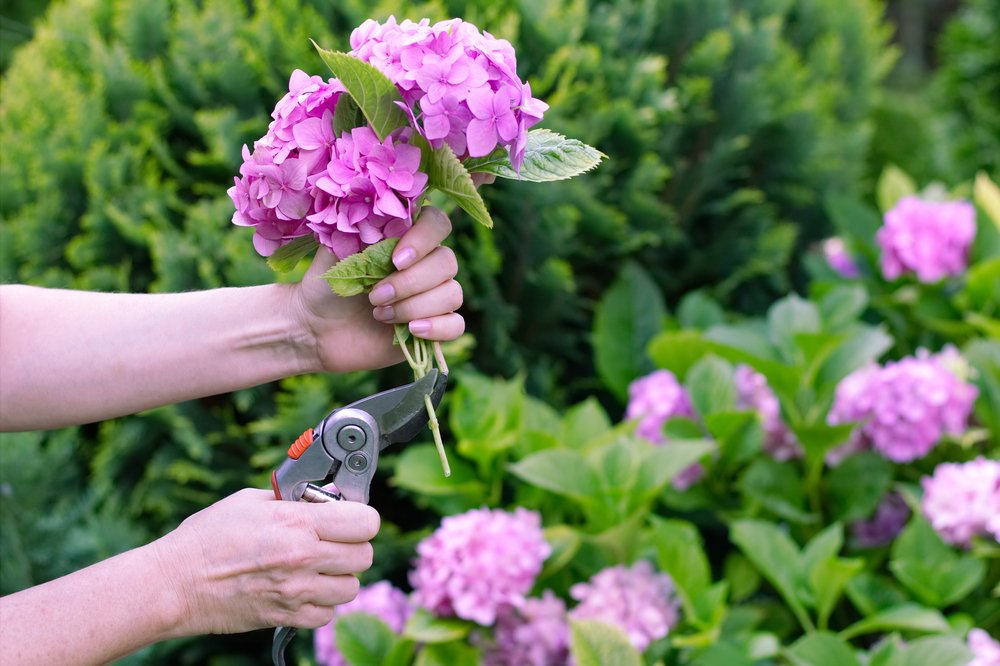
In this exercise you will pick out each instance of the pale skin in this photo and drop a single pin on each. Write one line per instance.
(248, 561)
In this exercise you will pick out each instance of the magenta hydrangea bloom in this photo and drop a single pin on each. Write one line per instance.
(654, 400)
(381, 599)
(462, 83)
(535, 633)
(753, 393)
(985, 650)
(905, 407)
(636, 599)
(962, 500)
(478, 562)
(839, 259)
(889, 520)
(928, 238)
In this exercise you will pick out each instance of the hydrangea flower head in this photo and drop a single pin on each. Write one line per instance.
(655, 399)
(636, 599)
(753, 393)
(962, 500)
(904, 407)
(889, 520)
(381, 599)
(928, 238)
(985, 650)
(839, 259)
(478, 562)
(462, 83)
(535, 633)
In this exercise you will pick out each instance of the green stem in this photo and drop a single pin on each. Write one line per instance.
(421, 361)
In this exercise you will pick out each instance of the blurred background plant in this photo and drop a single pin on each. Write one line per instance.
(740, 135)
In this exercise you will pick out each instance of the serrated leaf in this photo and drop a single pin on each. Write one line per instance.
(548, 156)
(359, 272)
(375, 94)
(447, 174)
(363, 638)
(347, 116)
(287, 257)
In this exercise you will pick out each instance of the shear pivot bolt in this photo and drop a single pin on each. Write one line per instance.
(351, 437)
(357, 462)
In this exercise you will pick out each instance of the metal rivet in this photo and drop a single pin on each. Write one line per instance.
(357, 462)
(351, 437)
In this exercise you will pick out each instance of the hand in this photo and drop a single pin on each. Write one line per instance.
(354, 333)
(250, 561)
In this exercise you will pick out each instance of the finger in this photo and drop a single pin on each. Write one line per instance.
(321, 263)
(442, 328)
(346, 522)
(440, 300)
(437, 267)
(479, 179)
(339, 559)
(432, 227)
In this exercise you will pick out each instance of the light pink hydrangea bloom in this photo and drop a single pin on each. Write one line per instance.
(753, 393)
(985, 650)
(839, 259)
(655, 399)
(929, 238)
(381, 599)
(962, 500)
(904, 407)
(637, 599)
(889, 520)
(535, 633)
(478, 562)
(462, 83)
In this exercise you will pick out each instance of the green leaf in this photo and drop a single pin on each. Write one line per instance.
(931, 570)
(584, 422)
(986, 194)
(905, 617)
(709, 382)
(418, 469)
(363, 638)
(821, 649)
(661, 464)
(287, 257)
(565, 542)
(857, 485)
(360, 272)
(446, 174)
(777, 487)
(561, 471)
(680, 553)
(373, 92)
(677, 351)
(424, 627)
(595, 643)
(856, 221)
(448, 654)
(861, 345)
(893, 185)
(548, 156)
(842, 306)
(871, 593)
(788, 317)
(828, 578)
(347, 116)
(699, 311)
(629, 314)
(777, 557)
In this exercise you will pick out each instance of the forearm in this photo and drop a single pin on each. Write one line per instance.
(77, 357)
(92, 616)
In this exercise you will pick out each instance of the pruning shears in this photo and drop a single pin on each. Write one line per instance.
(343, 450)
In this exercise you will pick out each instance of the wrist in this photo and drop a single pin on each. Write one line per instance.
(174, 612)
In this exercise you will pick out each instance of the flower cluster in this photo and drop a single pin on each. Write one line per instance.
(462, 84)
(655, 399)
(636, 599)
(839, 259)
(753, 393)
(380, 599)
(985, 650)
(348, 192)
(535, 633)
(904, 407)
(962, 500)
(929, 238)
(476, 563)
(889, 520)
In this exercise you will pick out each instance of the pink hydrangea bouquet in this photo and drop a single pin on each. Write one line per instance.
(347, 162)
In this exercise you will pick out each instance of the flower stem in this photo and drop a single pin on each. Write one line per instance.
(421, 360)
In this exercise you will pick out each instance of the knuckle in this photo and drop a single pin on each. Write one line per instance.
(456, 296)
(314, 617)
(438, 217)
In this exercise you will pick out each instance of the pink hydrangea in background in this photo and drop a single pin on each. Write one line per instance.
(905, 407)
(381, 599)
(985, 650)
(461, 85)
(637, 599)
(753, 393)
(535, 633)
(839, 259)
(478, 562)
(962, 500)
(928, 238)
(654, 400)
(889, 520)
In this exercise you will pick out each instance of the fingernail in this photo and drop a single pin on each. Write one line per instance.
(382, 294)
(404, 257)
(383, 313)
(419, 326)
